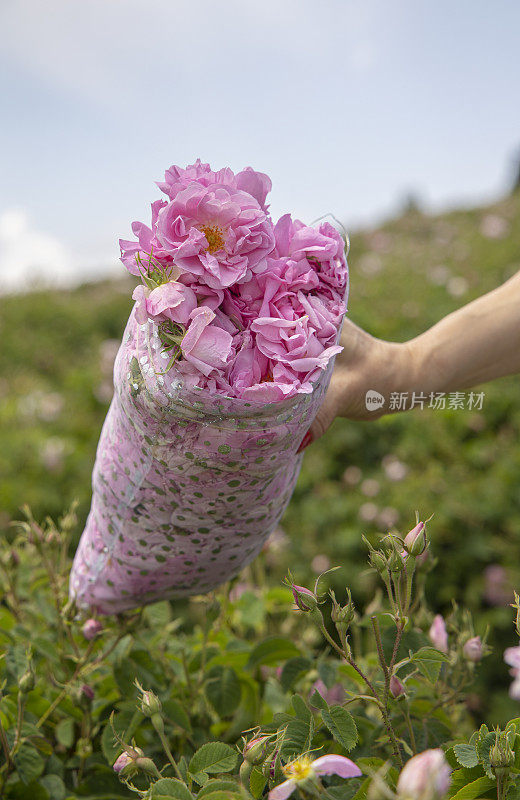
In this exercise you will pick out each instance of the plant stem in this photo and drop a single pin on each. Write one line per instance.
(410, 728)
(380, 653)
(382, 706)
(168, 752)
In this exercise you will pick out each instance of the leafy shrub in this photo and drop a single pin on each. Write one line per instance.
(219, 703)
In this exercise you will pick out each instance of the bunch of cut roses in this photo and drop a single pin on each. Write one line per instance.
(244, 307)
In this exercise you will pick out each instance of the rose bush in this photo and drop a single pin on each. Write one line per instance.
(266, 692)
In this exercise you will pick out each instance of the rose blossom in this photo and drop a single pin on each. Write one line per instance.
(205, 346)
(218, 233)
(257, 184)
(169, 301)
(145, 246)
(303, 770)
(323, 247)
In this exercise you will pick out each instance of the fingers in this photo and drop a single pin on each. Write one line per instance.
(323, 419)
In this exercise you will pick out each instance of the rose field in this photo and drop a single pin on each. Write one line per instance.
(358, 639)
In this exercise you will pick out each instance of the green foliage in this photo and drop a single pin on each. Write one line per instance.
(255, 666)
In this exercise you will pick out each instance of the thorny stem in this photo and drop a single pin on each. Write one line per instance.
(381, 705)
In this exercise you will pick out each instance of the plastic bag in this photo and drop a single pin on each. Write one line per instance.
(187, 486)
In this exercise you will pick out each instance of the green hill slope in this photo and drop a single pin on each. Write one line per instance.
(464, 466)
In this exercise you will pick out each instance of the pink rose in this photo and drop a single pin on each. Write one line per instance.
(293, 343)
(217, 233)
(169, 301)
(257, 184)
(146, 245)
(323, 247)
(207, 347)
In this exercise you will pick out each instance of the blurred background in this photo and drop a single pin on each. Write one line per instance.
(401, 118)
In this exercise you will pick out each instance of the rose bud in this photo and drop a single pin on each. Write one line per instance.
(304, 598)
(438, 634)
(472, 649)
(415, 542)
(87, 691)
(91, 629)
(424, 777)
(255, 751)
(396, 687)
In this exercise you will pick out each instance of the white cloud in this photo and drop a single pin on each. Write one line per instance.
(30, 258)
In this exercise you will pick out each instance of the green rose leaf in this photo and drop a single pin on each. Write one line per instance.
(342, 726)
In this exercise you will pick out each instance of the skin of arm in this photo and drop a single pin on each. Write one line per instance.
(475, 344)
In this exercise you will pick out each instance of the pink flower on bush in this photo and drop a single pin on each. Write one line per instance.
(512, 658)
(333, 696)
(169, 301)
(303, 770)
(438, 634)
(91, 629)
(396, 686)
(122, 761)
(305, 599)
(473, 649)
(426, 776)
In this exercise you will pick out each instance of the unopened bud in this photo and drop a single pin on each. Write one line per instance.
(378, 561)
(27, 681)
(395, 562)
(125, 764)
(342, 616)
(147, 765)
(87, 691)
(254, 752)
(438, 634)
(501, 755)
(415, 542)
(304, 598)
(91, 629)
(83, 748)
(473, 649)
(150, 704)
(396, 687)
(424, 777)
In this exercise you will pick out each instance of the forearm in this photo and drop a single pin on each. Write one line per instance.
(477, 343)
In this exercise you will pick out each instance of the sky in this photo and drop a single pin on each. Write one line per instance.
(348, 106)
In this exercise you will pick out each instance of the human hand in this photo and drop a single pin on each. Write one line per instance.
(365, 363)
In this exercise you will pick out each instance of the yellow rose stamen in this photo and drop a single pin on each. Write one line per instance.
(299, 770)
(215, 236)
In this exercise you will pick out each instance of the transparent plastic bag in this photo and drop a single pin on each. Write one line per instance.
(187, 486)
